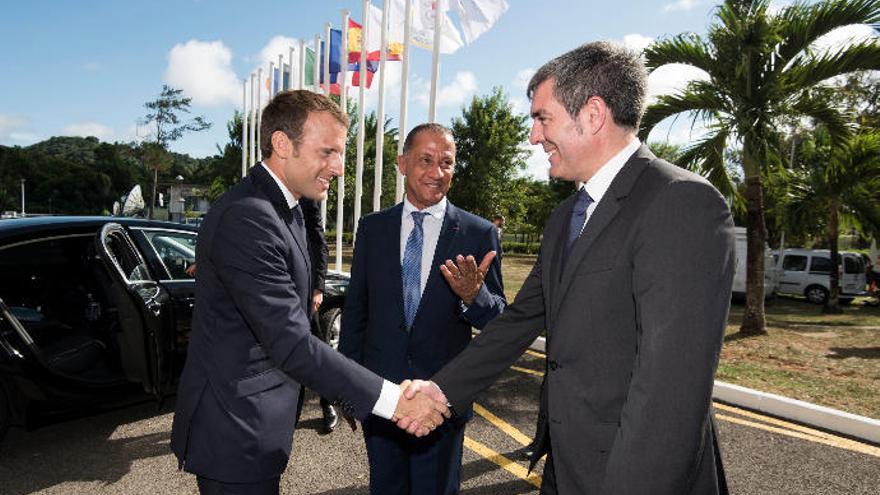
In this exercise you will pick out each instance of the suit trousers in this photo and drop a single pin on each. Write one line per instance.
(548, 478)
(401, 464)
(214, 487)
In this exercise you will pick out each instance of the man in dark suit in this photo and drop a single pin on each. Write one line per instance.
(250, 349)
(404, 317)
(632, 284)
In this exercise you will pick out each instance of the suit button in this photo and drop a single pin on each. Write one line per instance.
(553, 365)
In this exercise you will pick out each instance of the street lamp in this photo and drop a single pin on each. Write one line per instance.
(22, 197)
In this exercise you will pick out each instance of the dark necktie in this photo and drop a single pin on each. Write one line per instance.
(576, 225)
(298, 222)
(411, 269)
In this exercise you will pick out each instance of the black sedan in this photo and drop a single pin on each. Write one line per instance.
(96, 312)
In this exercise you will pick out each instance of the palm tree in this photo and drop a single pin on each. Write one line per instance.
(835, 184)
(761, 68)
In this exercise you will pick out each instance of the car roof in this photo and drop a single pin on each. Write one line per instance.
(820, 252)
(17, 227)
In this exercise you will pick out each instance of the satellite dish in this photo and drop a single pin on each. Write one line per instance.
(134, 202)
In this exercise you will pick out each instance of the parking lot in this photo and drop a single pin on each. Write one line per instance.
(126, 452)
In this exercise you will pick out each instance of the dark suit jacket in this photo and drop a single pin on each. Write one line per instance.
(318, 251)
(634, 328)
(373, 329)
(250, 347)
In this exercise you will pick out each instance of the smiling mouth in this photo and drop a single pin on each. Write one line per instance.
(324, 182)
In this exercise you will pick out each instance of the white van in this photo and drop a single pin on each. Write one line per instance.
(739, 273)
(806, 272)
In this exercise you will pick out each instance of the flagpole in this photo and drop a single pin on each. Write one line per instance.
(327, 59)
(252, 155)
(244, 128)
(316, 72)
(289, 68)
(380, 111)
(301, 81)
(359, 167)
(259, 111)
(280, 74)
(404, 89)
(435, 60)
(343, 102)
(271, 91)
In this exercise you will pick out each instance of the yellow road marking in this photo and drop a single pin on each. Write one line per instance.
(536, 353)
(782, 427)
(503, 462)
(502, 425)
(526, 370)
(833, 442)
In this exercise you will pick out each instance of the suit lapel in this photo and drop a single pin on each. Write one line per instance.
(264, 182)
(448, 231)
(390, 243)
(605, 212)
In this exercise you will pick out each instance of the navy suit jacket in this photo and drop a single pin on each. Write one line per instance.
(251, 348)
(373, 329)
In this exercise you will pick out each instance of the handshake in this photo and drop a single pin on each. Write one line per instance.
(421, 408)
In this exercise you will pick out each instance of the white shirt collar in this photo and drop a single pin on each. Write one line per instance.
(599, 183)
(437, 210)
(288, 196)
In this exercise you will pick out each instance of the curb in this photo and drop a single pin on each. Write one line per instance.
(826, 418)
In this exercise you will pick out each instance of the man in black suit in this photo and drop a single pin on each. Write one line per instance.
(632, 285)
(251, 349)
(404, 317)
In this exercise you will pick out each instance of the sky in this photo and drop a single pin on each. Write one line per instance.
(85, 68)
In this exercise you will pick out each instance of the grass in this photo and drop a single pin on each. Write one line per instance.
(831, 360)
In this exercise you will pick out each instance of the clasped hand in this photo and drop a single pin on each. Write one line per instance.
(421, 407)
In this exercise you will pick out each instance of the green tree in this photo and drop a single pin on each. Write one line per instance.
(761, 69)
(830, 184)
(164, 116)
(489, 154)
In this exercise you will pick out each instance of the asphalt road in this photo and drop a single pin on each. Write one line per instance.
(126, 452)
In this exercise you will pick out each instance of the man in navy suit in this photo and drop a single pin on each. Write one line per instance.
(409, 307)
(250, 349)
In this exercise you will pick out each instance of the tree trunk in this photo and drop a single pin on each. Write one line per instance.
(155, 185)
(756, 235)
(832, 305)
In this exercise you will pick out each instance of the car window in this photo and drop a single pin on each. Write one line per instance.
(794, 263)
(820, 264)
(853, 265)
(123, 253)
(176, 250)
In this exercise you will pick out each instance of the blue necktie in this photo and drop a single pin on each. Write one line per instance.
(411, 269)
(576, 225)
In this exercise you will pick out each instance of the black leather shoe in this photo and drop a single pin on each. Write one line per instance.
(528, 451)
(331, 419)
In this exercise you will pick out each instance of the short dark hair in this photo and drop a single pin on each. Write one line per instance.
(288, 111)
(428, 127)
(604, 69)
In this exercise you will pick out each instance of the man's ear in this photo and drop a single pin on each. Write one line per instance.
(280, 144)
(400, 164)
(593, 115)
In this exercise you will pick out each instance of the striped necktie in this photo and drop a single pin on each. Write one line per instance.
(411, 269)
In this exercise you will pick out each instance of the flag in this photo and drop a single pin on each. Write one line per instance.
(310, 67)
(422, 29)
(287, 83)
(374, 38)
(478, 16)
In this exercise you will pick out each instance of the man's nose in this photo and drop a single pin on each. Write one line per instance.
(337, 167)
(536, 136)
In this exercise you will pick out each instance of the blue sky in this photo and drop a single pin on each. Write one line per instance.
(87, 67)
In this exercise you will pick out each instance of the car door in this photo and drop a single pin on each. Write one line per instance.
(143, 306)
(793, 276)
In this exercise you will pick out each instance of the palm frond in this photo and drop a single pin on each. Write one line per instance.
(809, 72)
(800, 25)
(685, 48)
(706, 158)
(696, 99)
(818, 108)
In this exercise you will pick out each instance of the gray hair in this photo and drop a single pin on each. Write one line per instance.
(604, 69)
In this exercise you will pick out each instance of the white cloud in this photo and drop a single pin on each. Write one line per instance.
(86, 129)
(456, 93)
(202, 70)
(844, 37)
(280, 45)
(671, 78)
(637, 41)
(14, 130)
(681, 131)
(538, 164)
(681, 5)
(521, 81)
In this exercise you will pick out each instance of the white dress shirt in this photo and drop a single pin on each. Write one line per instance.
(599, 183)
(431, 225)
(387, 402)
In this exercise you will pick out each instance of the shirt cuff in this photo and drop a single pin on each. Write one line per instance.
(387, 402)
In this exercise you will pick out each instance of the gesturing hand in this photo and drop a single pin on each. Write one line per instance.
(420, 413)
(465, 277)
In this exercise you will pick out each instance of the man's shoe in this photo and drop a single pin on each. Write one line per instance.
(331, 419)
(528, 451)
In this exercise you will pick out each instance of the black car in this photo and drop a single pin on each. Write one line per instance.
(96, 312)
